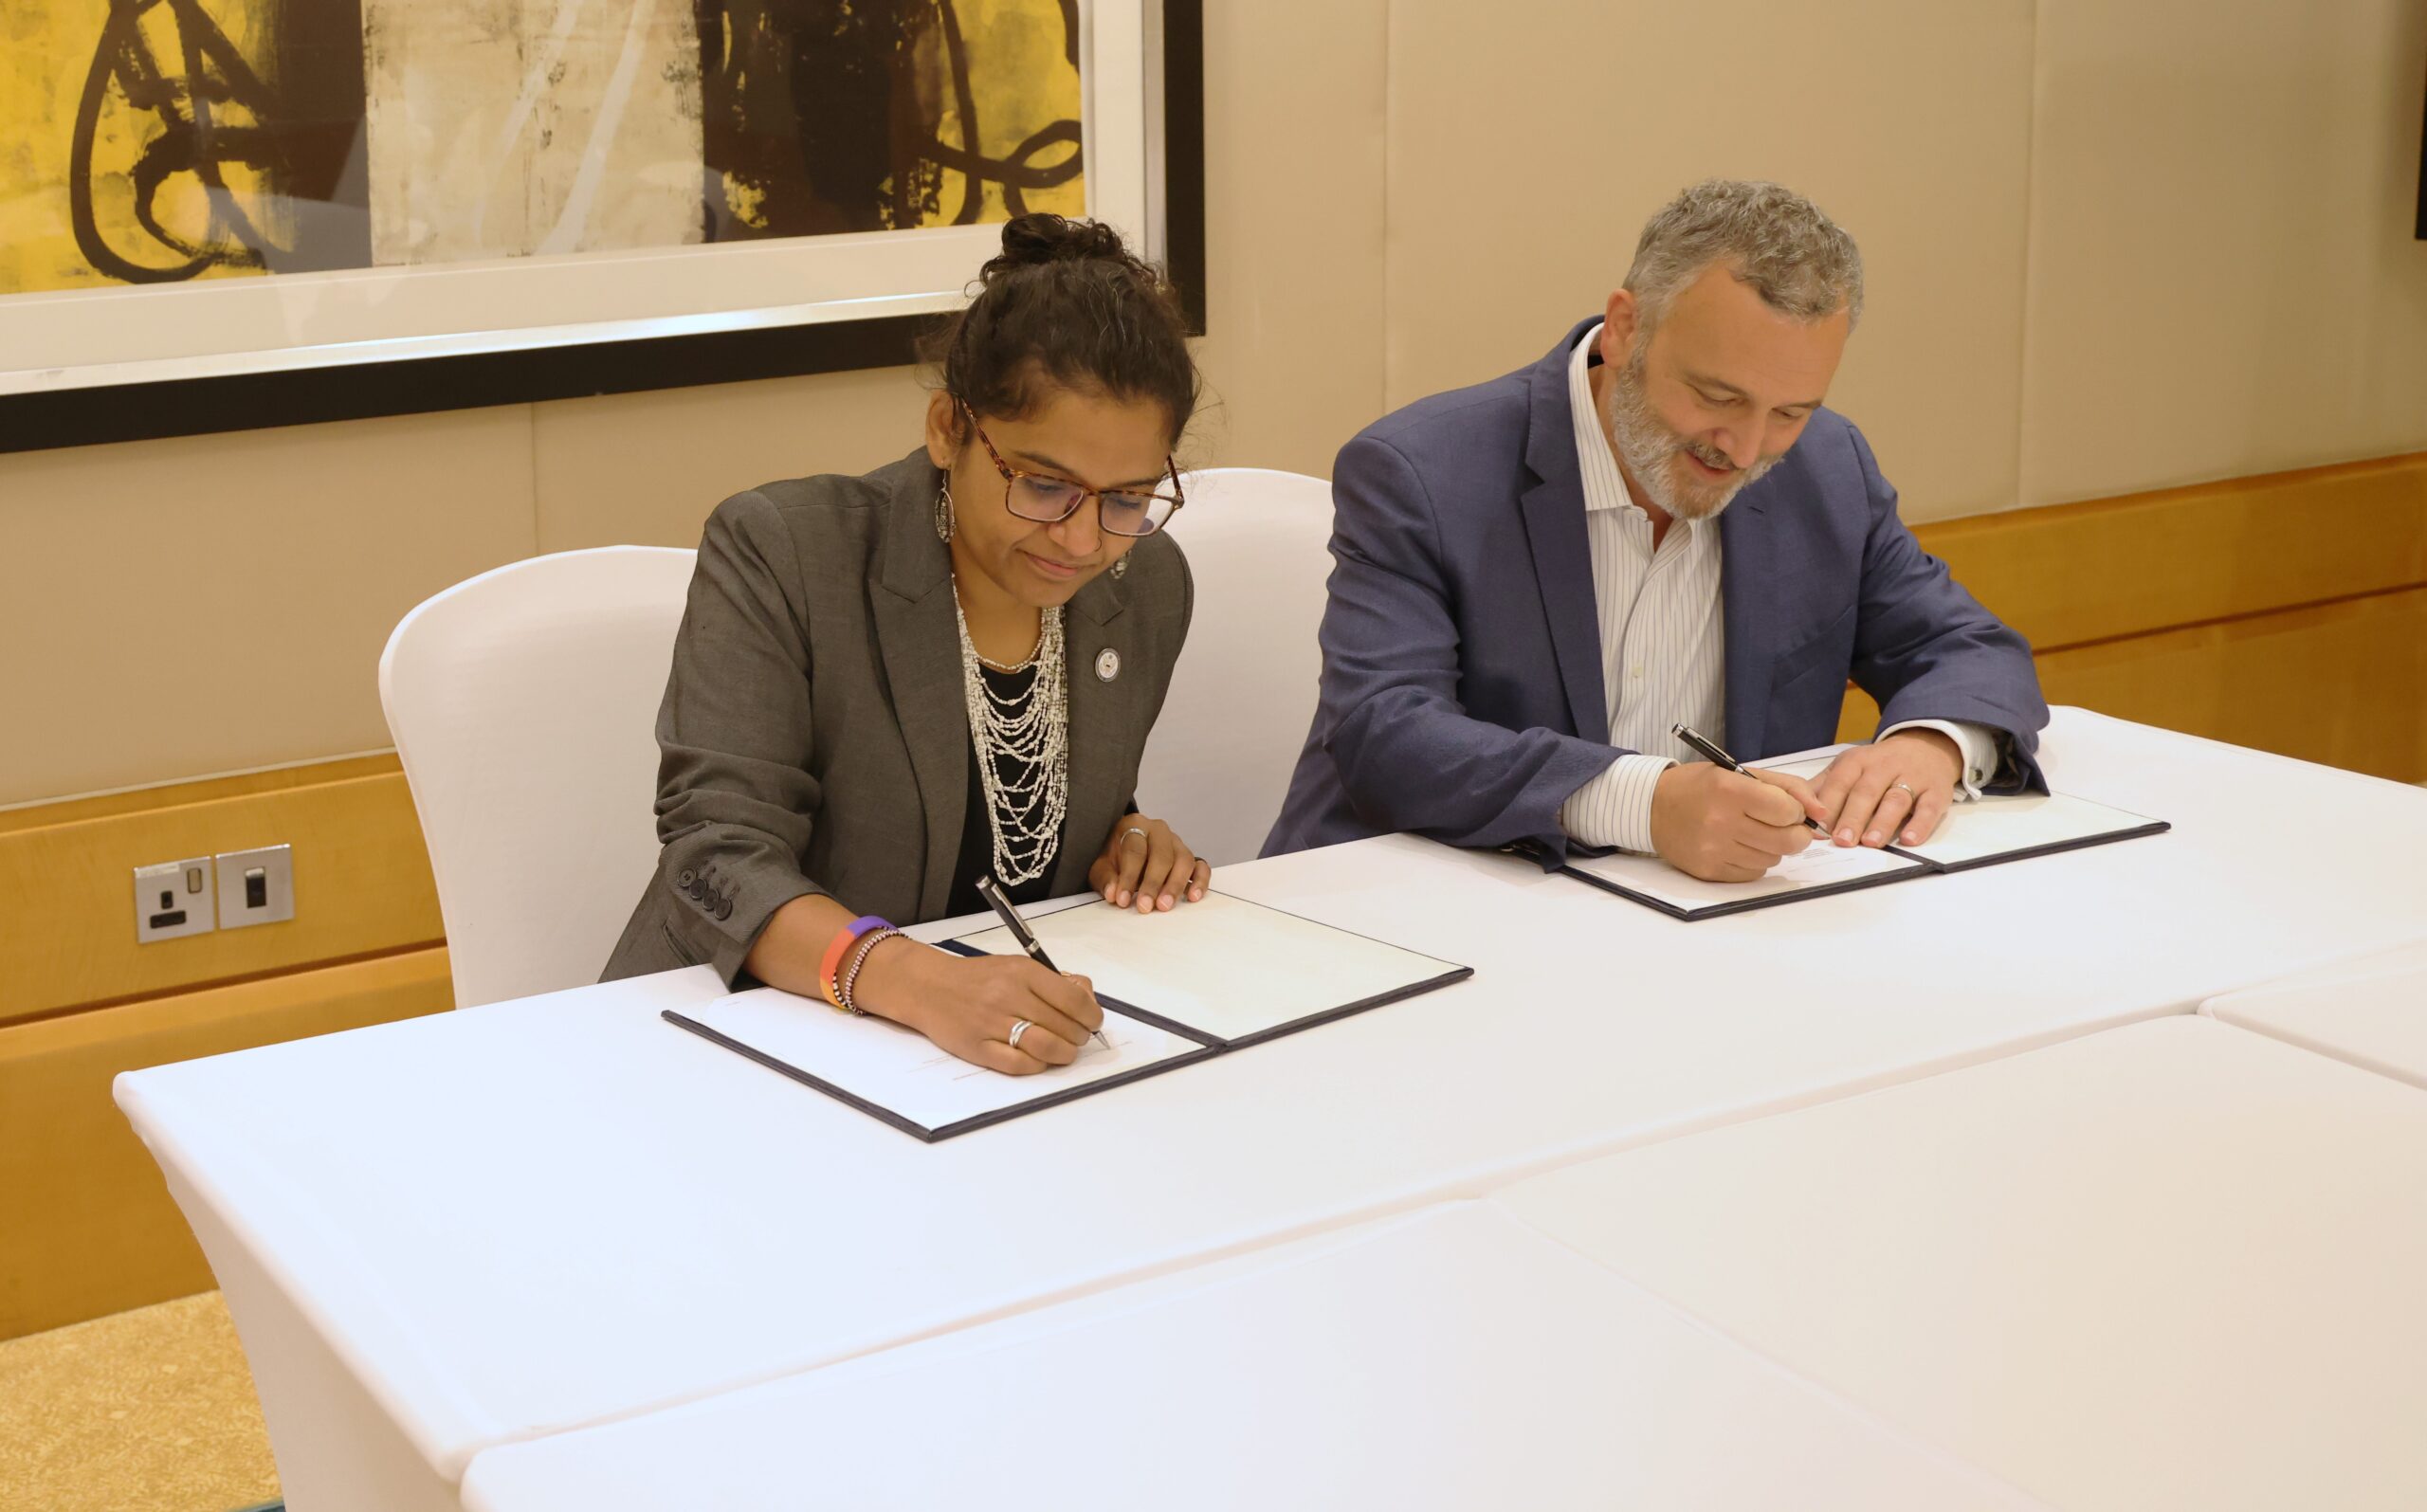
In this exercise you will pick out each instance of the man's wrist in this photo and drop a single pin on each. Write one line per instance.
(1614, 809)
(1939, 739)
(1977, 755)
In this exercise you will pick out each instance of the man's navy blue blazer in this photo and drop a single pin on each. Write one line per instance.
(1462, 693)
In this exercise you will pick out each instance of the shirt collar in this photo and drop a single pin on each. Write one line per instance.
(1605, 487)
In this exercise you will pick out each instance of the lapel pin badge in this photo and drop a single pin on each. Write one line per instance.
(1107, 665)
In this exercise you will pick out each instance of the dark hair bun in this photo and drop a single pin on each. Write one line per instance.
(1065, 304)
(1035, 238)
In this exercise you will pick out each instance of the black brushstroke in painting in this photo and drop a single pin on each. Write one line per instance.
(305, 136)
(821, 118)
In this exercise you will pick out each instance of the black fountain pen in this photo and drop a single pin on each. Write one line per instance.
(1018, 926)
(1721, 760)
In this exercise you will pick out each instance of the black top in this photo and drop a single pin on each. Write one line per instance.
(978, 831)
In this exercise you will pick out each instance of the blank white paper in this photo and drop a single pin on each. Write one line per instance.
(2000, 826)
(901, 1069)
(1222, 966)
(1817, 864)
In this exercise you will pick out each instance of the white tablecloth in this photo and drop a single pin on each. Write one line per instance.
(1450, 1361)
(2371, 1012)
(2175, 1265)
(484, 1226)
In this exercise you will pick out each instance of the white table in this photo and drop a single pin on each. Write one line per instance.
(464, 1231)
(2173, 1265)
(2371, 1012)
(1453, 1359)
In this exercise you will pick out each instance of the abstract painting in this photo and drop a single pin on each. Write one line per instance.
(147, 142)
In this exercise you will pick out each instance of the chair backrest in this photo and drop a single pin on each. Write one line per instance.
(523, 704)
(1218, 763)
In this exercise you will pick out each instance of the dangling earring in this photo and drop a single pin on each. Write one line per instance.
(943, 514)
(1120, 566)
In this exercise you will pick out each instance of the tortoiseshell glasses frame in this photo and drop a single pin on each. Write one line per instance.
(1049, 498)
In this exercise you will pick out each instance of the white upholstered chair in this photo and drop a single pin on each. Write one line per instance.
(523, 704)
(1218, 763)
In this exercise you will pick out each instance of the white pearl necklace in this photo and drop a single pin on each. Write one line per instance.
(1033, 730)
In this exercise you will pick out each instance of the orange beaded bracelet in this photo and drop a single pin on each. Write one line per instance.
(834, 961)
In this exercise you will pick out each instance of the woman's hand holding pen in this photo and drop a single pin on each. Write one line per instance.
(1724, 825)
(1145, 865)
(969, 1005)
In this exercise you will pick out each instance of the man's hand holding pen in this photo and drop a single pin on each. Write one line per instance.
(1723, 826)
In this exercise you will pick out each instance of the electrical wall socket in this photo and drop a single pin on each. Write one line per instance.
(256, 886)
(173, 899)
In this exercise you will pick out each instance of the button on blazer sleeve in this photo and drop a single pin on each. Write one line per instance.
(1926, 649)
(734, 797)
(1408, 754)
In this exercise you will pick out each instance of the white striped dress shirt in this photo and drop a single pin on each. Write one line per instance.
(1664, 652)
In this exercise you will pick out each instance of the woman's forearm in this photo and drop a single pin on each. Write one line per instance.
(793, 947)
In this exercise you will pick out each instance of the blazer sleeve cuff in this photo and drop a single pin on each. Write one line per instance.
(722, 919)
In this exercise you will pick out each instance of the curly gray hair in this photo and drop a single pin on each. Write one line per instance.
(1798, 260)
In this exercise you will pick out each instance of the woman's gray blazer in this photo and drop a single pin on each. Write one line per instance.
(815, 737)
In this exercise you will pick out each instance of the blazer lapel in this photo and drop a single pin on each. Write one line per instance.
(1748, 576)
(920, 642)
(1106, 724)
(1554, 513)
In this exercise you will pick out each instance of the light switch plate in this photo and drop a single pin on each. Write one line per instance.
(173, 899)
(267, 873)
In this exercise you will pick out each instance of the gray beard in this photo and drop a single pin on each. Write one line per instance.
(1649, 449)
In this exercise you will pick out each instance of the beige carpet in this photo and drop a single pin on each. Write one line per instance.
(149, 1411)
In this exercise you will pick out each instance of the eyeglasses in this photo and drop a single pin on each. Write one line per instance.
(1048, 500)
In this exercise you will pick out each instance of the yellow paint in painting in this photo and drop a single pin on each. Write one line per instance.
(1021, 81)
(748, 202)
(42, 71)
(46, 50)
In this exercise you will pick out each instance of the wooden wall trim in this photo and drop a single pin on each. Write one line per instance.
(2073, 574)
(87, 1227)
(2343, 682)
(362, 883)
(196, 789)
(2285, 612)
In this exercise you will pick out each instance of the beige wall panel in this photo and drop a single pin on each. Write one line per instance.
(174, 608)
(1294, 114)
(2223, 275)
(646, 468)
(1529, 142)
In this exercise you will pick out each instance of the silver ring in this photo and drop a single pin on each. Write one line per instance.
(1140, 830)
(1017, 1029)
(1908, 787)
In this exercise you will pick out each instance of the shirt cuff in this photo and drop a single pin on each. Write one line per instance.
(1614, 809)
(1979, 745)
